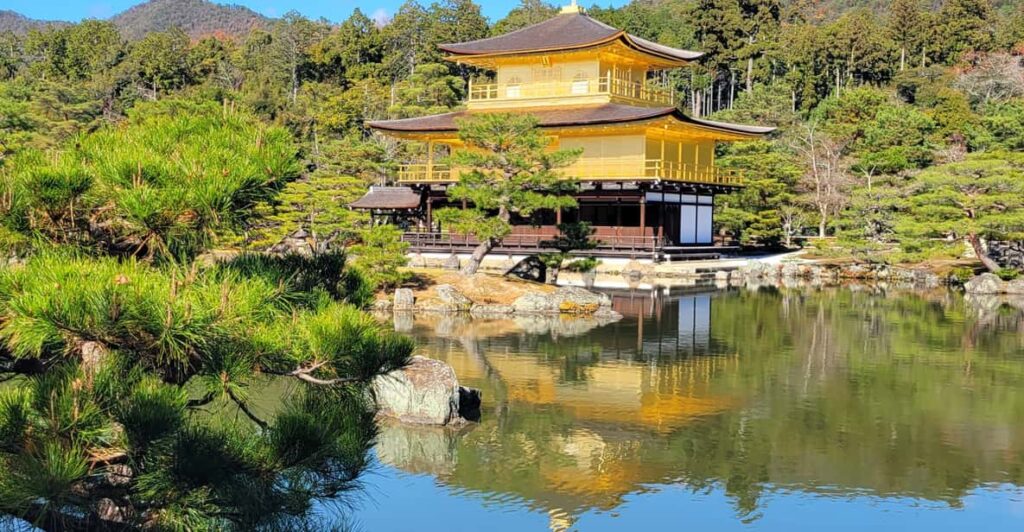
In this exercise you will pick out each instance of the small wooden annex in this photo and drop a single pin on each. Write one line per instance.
(647, 173)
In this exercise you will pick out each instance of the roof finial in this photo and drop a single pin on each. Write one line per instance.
(572, 8)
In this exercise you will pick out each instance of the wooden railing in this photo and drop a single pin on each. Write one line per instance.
(445, 241)
(648, 170)
(425, 173)
(631, 90)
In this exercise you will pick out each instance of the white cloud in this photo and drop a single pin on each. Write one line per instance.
(380, 16)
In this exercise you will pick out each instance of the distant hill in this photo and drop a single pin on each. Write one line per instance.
(20, 24)
(196, 17)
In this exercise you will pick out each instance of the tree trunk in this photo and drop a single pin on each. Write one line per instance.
(481, 251)
(903, 58)
(485, 246)
(750, 69)
(822, 225)
(552, 274)
(979, 251)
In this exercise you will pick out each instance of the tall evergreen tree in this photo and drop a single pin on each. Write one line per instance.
(508, 172)
(963, 25)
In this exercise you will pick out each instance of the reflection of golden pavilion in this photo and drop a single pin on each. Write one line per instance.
(562, 442)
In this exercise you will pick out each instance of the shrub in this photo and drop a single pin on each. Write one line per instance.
(1008, 274)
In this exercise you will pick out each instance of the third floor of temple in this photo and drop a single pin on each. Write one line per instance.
(570, 59)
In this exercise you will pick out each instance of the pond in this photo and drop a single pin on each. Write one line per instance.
(728, 410)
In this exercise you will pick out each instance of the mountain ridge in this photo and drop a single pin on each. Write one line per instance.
(197, 18)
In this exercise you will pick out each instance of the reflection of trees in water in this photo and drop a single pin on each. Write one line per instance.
(829, 391)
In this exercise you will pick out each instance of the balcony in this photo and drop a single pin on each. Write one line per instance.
(425, 173)
(648, 170)
(631, 91)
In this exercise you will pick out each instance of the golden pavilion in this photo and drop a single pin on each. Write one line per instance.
(647, 172)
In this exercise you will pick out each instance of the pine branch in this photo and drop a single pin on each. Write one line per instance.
(245, 410)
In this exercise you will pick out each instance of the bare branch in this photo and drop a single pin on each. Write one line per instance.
(245, 410)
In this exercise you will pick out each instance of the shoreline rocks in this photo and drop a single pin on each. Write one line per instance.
(564, 300)
(786, 272)
(990, 283)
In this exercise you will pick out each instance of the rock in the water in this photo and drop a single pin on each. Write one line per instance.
(491, 310)
(566, 299)
(403, 299)
(451, 296)
(452, 262)
(382, 305)
(424, 392)
(576, 300)
(534, 302)
(1015, 287)
(986, 283)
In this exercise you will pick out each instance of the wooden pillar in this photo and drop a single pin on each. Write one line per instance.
(430, 159)
(643, 213)
(661, 215)
(430, 212)
(558, 216)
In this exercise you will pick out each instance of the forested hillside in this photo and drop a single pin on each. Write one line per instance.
(20, 24)
(874, 105)
(197, 18)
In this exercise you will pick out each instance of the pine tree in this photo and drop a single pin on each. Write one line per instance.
(976, 200)
(527, 13)
(507, 171)
(906, 29)
(114, 335)
(964, 25)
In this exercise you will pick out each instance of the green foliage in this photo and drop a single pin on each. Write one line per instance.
(213, 329)
(380, 256)
(572, 237)
(1001, 127)
(111, 328)
(979, 198)
(510, 172)
(961, 275)
(586, 264)
(158, 187)
(1008, 274)
(317, 203)
(756, 214)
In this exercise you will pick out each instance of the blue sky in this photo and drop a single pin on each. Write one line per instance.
(334, 10)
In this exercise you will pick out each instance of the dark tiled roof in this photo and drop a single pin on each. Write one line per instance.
(388, 198)
(563, 32)
(609, 113)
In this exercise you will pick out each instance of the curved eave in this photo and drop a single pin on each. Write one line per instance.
(656, 51)
(742, 130)
(574, 117)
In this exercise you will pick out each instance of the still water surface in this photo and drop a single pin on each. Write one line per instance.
(740, 410)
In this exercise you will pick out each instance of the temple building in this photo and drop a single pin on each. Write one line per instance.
(647, 174)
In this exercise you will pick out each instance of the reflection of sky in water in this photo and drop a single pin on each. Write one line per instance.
(725, 411)
(397, 501)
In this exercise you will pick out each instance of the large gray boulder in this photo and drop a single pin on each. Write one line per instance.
(986, 283)
(1014, 287)
(491, 310)
(449, 295)
(534, 303)
(425, 392)
(566, 300)
(404, 299)
(451, 263)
